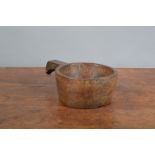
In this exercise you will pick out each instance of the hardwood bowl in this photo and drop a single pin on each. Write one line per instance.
(83, 85)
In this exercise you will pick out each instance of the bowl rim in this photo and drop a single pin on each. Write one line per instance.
(58, 72)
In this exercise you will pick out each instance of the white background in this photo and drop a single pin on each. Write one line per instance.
(77, 142)
(77, 12)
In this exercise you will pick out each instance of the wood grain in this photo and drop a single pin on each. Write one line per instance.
(28, 99)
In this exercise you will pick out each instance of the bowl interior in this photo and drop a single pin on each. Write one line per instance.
(85, 70)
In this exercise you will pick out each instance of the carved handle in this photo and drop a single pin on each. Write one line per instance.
(52, 65)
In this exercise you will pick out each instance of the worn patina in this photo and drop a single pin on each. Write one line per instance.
(83, 85)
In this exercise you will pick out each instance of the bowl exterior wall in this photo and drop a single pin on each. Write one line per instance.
(85, 93)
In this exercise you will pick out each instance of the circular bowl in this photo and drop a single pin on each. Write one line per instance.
(85, 85)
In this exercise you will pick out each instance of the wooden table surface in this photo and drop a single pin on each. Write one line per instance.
(28, 99)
